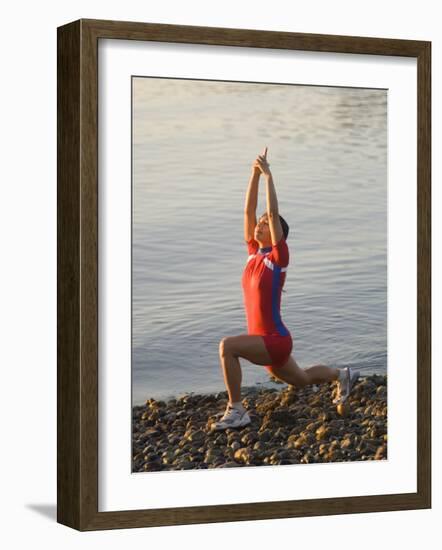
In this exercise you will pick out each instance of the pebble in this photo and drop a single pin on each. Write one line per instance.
(342, 409)
(289, 426)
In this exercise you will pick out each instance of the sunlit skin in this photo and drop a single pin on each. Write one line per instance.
(262, 232)
(267, 231)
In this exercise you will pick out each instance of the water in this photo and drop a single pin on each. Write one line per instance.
(193, 146)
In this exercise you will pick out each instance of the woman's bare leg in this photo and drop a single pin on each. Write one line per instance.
(292, 374)
(249, 347)
(321, 373)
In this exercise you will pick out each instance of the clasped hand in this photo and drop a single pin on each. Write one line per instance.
(261, 165)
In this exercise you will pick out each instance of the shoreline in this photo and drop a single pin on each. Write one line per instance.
(289, 426)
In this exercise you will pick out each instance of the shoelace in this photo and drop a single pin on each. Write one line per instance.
(228, 412)
(343, 388)
(338, 392)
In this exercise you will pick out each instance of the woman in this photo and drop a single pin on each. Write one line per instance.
(268, 341)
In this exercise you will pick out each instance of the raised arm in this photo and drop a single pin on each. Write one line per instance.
(272, 200)
(251, 203)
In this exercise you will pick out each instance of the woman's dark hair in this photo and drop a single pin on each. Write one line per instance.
(285, 230)
(285, 226)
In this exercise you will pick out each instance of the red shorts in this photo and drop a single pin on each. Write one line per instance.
(279, 348)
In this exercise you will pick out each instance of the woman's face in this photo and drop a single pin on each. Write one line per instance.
(262, 230)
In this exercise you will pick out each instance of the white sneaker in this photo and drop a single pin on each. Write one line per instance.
(345, 386)
(232, 418)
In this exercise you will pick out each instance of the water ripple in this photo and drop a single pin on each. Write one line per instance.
(193, 146)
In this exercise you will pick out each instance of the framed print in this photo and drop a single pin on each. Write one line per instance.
(244, 232)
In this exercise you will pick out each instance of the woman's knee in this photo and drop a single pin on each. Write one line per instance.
(225, 346)
(231, 345)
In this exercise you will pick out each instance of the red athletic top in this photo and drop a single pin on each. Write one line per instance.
(262, 281)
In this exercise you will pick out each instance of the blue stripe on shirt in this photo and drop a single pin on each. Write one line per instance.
(275, 312)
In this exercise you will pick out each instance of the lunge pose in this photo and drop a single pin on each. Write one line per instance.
(268, 341)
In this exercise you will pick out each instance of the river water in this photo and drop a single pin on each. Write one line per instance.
(193, 146)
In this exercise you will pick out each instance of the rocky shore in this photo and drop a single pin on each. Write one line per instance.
(289, 426)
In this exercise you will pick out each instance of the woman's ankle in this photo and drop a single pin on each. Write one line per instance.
(237, 405)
